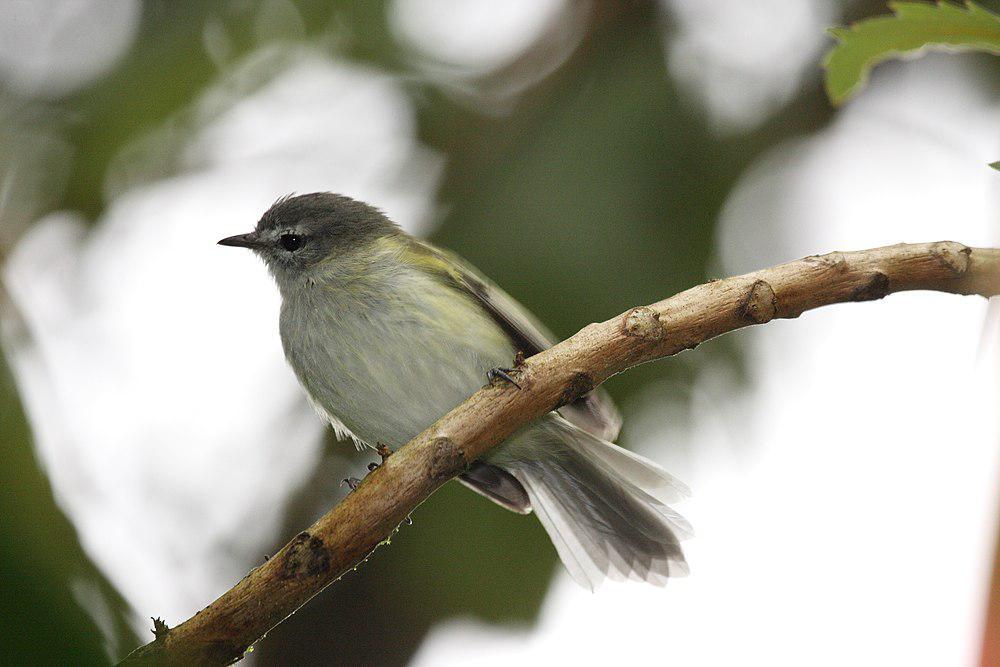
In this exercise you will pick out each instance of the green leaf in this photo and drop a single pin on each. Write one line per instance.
(995, 165)
(915, 27)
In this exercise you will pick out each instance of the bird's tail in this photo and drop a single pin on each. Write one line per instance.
(604, 507)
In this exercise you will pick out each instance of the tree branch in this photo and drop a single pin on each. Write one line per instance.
(347, 534)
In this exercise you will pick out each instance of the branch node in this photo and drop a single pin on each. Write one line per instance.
(448, 458)
(953, 256)
(581, 383)
(642, 322)
(760, 304)
(306, 556)
(834, 260)
(876, 288)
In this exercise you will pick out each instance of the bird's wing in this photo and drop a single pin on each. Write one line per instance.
(593, 412)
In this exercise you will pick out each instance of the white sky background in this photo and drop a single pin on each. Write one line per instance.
(51, 47)
(843, 507)
(473, 36)
(741, 60)
(456, 44)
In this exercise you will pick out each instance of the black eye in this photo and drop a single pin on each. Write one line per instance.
(290, 242)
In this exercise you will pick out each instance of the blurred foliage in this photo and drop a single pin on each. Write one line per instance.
(42, 565)
(916, 26)
(597, 189)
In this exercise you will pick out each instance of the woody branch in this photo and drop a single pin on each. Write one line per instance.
(348, 533)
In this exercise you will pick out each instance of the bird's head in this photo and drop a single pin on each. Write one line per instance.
(300, 233)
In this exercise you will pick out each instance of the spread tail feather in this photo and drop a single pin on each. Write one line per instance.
(604, 508)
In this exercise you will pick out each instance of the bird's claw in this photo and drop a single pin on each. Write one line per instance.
(352, 482)
(502, 373)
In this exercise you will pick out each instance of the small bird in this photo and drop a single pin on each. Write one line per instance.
(387, 333)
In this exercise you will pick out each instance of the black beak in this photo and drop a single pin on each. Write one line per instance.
(240, 241)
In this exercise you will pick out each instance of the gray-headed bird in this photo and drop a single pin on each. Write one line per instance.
(387, 333)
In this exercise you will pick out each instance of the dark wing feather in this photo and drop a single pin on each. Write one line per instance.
(593, 412)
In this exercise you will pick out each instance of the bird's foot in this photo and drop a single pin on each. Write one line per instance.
(503, 374)
(352, 482)
(383, 452)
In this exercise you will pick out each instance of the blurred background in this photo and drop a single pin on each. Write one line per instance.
(587, 155)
